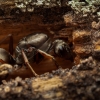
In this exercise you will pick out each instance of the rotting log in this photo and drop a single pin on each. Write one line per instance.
(82, 82)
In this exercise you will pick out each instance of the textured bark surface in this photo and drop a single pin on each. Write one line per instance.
(85, 36)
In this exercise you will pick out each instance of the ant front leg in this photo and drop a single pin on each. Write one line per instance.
(27, 63)
(2, 62)
(10, 42)
(46, 55)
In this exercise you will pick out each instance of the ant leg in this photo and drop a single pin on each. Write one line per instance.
(46, 55)
(2, 62)
(27, 63)
(10, 43)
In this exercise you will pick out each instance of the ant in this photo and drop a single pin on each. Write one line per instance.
(29, 48)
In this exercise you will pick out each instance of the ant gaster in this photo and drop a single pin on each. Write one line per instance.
(30, 46)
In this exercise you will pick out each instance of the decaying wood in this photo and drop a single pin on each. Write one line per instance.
(79, 83)
(82, 82)
(82, 43)
(85, 37)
